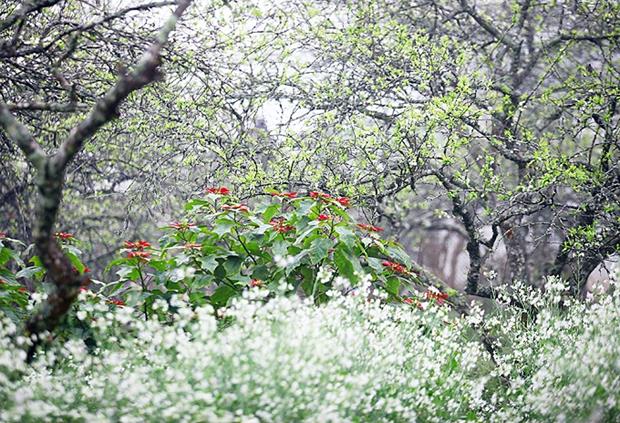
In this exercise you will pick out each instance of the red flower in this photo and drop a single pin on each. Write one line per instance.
(119, 303)
(192, 246)
(408, 300)
(218, 190)
(256, 282)
(236, 207)
(279, 225)
(395, 267)
(63, 235)
(344, 201)
(369, 228)
(22, 289)
(86, 269)
(142, 255)
(323, 217)
(83, 289)
(2, 235)
(137, 245)
(440, 297)
(181, 226)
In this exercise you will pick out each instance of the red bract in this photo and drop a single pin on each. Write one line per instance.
(192, 246)
(408, 300)
(119, 303)
(440, 297)
(316, 194)
(218, 190)
(395, 267)
(322, 217)
(369, 228)
(344, 201)
(236, 207)
(279, 225)
(86, 269)
(63, 235)
(137, 245)
(22, 289)
(142, 255)
(256, 282)
(290, 195)
(181, 226)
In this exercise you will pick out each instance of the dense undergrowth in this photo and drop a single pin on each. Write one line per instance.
(293, 311)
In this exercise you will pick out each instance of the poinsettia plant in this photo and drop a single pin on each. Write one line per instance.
(290, 242)
(18, 265)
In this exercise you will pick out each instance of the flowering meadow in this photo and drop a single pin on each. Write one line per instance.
(355, 358)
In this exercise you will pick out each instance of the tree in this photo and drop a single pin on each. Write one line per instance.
(51, 168)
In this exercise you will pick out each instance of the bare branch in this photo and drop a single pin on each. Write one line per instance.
(20, 134)
(106, 108)
(26, 8)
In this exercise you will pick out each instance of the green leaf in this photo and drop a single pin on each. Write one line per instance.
(208, 263)
(7, 275)
(75, 260)
(221, 295)
(5, 255)
(271, 211)
(261, 272)
(376, 264)
(195, 204)
(392, 285)
(280, 248)
(296, 261)
(397, 253)
(16, 257)
(232, 265)
(346, 235)
(29, 272)
(307, 231)
(319, 249)
(344, 265)
(223, 226)
(128, 273)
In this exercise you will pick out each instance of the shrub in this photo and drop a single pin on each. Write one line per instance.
(307, 244)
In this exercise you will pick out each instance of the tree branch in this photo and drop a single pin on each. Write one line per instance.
(20, 134)
(26, 8)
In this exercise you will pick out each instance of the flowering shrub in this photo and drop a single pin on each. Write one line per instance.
(282, 360)
(306, 244)
(561, 359)
(355, 358)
